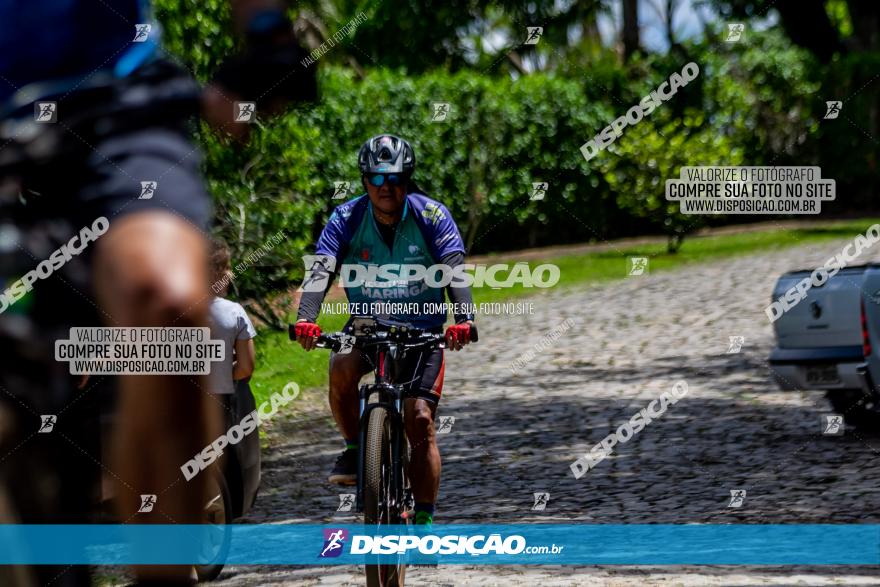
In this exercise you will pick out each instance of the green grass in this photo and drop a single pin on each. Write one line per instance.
(280, 361)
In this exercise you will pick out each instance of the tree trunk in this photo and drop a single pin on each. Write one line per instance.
(670, 14)
(630, 28)
(673, 242)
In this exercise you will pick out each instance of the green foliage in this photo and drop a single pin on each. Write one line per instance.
(753, 103)
(196, 32)
(656, 150)
(500, 137)
(849, 146)
(750, 105)
(838, 12)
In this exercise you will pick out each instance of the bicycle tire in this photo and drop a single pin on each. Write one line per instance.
(377, 490)
(218, 510)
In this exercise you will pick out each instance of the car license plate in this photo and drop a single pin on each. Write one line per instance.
(823, 375)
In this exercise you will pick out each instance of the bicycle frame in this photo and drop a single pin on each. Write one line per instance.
(390, 398)
(390, 347)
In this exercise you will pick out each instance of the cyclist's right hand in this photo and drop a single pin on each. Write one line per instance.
(306, 334)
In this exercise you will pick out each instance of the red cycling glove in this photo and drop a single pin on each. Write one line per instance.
(307, 329)
(459, 333)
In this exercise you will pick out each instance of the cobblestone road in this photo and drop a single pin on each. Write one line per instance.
(516, 434)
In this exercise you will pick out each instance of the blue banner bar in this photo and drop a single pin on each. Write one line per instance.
(557, 544)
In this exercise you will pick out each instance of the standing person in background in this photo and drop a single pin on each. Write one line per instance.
(229, 323)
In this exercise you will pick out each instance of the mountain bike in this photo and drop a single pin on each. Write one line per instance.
(383, 494)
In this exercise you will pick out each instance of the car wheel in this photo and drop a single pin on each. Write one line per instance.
(858, 409)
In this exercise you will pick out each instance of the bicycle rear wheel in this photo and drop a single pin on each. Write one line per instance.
(217, 513)
(380, 499)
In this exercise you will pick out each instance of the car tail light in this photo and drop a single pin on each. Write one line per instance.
(866, 339)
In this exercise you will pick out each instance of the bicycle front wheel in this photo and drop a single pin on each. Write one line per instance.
(380, 501)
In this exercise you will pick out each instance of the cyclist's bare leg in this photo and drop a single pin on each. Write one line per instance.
(345, 374)
(151, 270)
(424, 467)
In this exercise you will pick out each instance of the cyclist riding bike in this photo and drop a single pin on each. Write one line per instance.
(118, 120)
(393, 223)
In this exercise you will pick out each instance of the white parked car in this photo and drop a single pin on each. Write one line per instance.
(823, 341)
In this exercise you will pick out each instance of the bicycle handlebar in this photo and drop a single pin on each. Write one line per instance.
(336, 340)
(405, 338)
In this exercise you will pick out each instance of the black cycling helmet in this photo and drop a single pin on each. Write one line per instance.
(386, 154)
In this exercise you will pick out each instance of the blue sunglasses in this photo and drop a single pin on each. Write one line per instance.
(379, 179)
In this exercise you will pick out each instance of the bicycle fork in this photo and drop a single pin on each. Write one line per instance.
(397, 440)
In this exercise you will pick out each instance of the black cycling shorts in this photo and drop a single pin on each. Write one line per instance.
(420, 373)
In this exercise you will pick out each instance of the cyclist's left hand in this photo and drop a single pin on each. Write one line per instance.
(458, 335)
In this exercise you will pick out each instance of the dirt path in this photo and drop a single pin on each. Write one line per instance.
(516, 434)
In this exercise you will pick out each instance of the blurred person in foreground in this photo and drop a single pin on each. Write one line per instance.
(119, 120)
